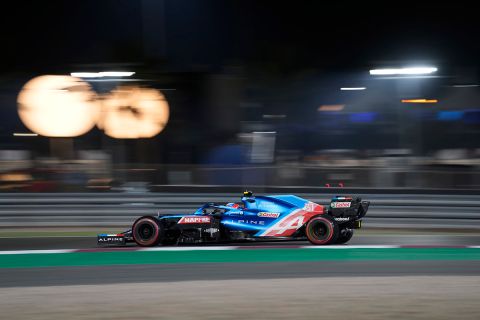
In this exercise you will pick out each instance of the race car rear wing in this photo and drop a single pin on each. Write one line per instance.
(345, 206)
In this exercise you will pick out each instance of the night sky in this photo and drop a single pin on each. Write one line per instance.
(292, 35)
(296, 55)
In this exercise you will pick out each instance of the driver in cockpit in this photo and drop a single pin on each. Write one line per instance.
(247, 197)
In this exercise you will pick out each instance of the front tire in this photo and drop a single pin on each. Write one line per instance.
(322, 230)
(147, 231)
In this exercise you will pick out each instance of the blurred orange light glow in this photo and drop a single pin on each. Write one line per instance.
(15, 177)
(331, 107)
(419, 101)
(131, 112)
(57, 106)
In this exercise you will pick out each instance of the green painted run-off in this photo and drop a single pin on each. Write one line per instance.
(222, 256)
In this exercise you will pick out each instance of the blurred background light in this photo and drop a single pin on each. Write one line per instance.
(85, 74)
(274, 116)
(465, 85)
(331, 107)
(57, 106)
(263, 147)
(450, 115)
(130, 112)
(352, 88)
(419, 100)
(116, 74)
(19, 134)
(402, 71)
(102, 74)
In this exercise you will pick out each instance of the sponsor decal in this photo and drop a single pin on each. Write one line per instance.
(342, 219)
(260, 223)
(194, 220)
(211, 230)
(293, 221)
(288, 225)
(110, 239)
(269, 214)
(341, 204)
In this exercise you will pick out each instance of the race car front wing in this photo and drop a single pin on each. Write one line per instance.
(111, 239)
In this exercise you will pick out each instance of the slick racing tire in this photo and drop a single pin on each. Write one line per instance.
(322, 230)
(344, 236)
(147, 231)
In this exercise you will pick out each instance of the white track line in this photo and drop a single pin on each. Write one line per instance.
(352, 247)
(40, 236)
(218, 248)
(38, 251)
(222, 248)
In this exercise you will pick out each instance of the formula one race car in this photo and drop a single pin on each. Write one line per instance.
(254, 218)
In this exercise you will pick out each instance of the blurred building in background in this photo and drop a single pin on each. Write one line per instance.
(185, 93)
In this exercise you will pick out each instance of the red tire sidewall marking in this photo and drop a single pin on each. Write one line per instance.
(330, 228)
(153, 239)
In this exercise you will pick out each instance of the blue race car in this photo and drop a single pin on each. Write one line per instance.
(254, 218)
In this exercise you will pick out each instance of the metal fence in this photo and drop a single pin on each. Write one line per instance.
(85, 177)
(120, 209)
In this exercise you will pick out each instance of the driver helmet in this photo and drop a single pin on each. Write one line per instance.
(248, 194)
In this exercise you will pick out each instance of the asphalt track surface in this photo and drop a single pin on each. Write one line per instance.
(54, 276)
(433, 239)
(144, 273)
(326, 298)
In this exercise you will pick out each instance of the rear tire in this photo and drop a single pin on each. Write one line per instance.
(322, 230)
(344, 237)
(147, 231)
